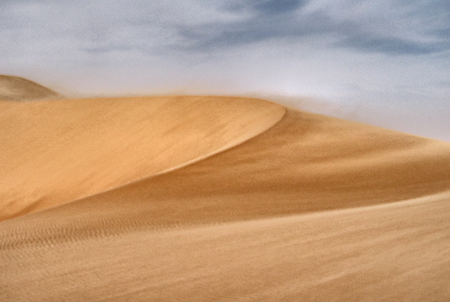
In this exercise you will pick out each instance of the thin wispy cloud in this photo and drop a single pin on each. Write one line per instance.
(406, 29)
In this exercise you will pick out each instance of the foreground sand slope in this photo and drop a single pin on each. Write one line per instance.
(237, 226)
(19, 89)
(56, 151)
(398, 252)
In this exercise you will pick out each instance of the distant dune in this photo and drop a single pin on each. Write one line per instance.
(19, 89)
(217, 198)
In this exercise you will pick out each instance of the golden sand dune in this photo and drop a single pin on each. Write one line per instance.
(60, 150)
(18, 89)
(311, 209)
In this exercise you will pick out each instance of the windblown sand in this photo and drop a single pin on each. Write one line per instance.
(217, 198)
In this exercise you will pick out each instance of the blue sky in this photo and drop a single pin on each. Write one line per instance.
(384, 62)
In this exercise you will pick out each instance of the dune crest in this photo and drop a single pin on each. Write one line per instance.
(19, 89)
(60, 150)
(305, 163)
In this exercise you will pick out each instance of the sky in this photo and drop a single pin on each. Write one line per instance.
(384, 62)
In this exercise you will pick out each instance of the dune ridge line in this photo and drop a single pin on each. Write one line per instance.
(305, 163)
(87, 146)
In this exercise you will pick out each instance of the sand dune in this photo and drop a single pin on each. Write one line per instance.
(306, 208)
(19, 89)
(58, 151)
(305, 163)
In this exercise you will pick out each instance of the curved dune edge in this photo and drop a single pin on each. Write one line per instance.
(14, 88)
(305, 163)
(62, 150)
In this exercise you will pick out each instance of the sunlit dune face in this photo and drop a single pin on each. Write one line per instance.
(58, 151)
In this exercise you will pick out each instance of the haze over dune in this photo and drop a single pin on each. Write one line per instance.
(217, 198)
(19, 89)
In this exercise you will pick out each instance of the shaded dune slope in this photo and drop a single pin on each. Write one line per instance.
(19, 89)
(57, 151)
(305, 163)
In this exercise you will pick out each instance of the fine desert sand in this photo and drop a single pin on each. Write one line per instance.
(202, 198)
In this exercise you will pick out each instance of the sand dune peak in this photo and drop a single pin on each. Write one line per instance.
(14, 88)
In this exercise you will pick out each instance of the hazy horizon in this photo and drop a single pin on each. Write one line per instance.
(385, 63)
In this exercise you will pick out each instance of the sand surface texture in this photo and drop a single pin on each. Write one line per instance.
(280, 206)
